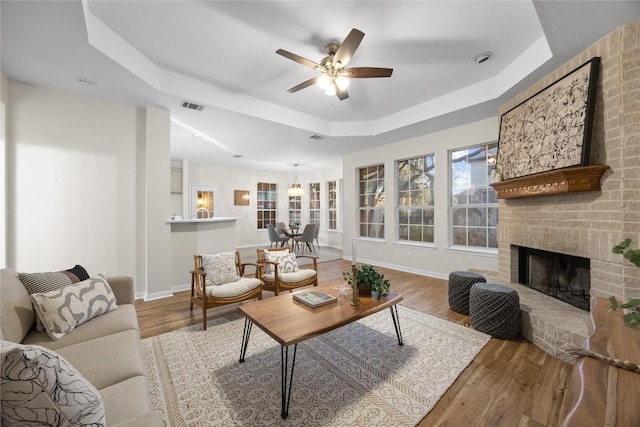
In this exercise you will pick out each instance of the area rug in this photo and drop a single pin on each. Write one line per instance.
(357, 375)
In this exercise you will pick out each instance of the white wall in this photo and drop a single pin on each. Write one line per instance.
(157, 200)
(439, 260)
(77, 169)
(4, 101)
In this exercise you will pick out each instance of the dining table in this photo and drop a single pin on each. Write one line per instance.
(292, 233)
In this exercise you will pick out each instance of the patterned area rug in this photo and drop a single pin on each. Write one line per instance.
(356, 375)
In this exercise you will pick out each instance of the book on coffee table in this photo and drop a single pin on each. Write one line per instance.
(314, 298)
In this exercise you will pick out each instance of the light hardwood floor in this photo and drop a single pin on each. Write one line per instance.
(510, 383)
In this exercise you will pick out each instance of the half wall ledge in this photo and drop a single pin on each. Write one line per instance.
(568, 180)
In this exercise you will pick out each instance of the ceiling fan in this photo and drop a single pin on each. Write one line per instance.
(334, 77)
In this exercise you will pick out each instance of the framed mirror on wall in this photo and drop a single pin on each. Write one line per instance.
(204, 202)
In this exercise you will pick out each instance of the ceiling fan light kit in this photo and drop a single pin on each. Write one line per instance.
(334, 79)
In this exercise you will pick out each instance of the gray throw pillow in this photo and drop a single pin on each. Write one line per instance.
(37, 283)
(62, 310)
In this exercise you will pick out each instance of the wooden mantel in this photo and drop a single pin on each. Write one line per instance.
(569, 180)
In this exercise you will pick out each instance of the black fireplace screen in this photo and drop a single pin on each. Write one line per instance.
(564, 277)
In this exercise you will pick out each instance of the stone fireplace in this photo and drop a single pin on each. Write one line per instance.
(583, 224)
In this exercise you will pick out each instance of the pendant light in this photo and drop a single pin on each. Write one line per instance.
(295, 189)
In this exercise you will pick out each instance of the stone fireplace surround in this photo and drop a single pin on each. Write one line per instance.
(585, 224)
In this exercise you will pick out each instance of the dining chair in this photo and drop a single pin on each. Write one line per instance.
(218, 280)
(275, 237)
(280, 228)
(279, 270)
(307, 237)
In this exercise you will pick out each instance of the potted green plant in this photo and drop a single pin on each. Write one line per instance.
(631, 316)
(369, 280)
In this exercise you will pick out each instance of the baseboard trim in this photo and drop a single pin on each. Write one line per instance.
(402, 268)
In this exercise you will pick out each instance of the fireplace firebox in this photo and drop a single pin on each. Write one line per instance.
(564, 277)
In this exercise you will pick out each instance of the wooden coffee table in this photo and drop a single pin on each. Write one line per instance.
(289, 322)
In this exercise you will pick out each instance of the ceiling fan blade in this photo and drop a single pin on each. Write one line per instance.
(303, 85)
(299, 59)
(366, 72)
(342, 94)
(347, 48)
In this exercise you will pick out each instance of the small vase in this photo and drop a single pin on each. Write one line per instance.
(496, 176)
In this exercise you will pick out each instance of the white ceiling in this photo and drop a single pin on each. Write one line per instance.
(221, 54)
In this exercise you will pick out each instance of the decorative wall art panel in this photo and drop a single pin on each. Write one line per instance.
(551, 129)
(241, 197)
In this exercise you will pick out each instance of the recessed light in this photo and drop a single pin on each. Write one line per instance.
(85, 82)
(237, 156)
(196, 135)
(482, 57)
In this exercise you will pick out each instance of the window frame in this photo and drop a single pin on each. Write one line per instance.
(294, 209)
(373, 226)
(266, 192)
(332, 205)
(314, 197)
(420, 218)
(473, 210)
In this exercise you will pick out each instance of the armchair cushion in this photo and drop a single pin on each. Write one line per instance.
(286, 261)
(233, 289)
(292, 277)
(220, 268)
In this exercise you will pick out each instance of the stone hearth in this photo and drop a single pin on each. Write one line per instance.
(548, 323)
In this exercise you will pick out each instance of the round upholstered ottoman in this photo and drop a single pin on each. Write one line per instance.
(495, 310)
(460, 283)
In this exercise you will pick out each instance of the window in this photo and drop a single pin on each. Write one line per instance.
(295, 206)
(314, 202)
(204, 201)
(474, 204)
(267, 204)
(415, 199)
(371, 199)
(332, 196)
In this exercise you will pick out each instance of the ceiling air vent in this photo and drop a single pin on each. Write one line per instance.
(192, 106)
(316, 137)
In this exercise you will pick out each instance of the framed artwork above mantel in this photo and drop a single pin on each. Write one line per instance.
(551, 130)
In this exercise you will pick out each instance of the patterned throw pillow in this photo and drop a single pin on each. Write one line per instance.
(286, 261)
(220, 268)
(39, 387)
(37, 283)
(64, 309)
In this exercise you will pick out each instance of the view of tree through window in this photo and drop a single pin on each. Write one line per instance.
(332, 193)
(474, 204)
(371, 201)
(416, 199)
(314, 202)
